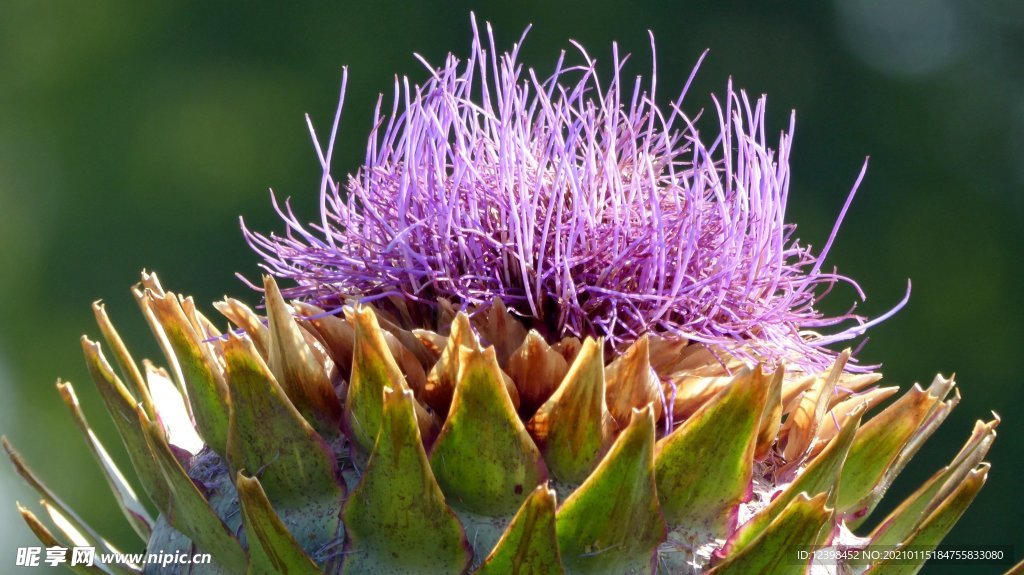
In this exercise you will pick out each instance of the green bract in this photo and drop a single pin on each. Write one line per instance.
(370, 444)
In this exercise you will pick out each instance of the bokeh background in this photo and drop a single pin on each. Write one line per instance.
(134, 134)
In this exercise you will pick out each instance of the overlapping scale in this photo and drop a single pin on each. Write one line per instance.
(352, 441)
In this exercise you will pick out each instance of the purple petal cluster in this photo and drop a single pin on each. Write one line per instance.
(582, 204)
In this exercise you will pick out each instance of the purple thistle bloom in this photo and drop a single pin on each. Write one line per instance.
(584, 206)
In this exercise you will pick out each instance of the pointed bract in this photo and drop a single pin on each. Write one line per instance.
(242, 316)
(771, 417)
(373, 369)
(338, 335)
(842, 411)
(935, 527)
(129, 369)
(296, 369)
(443, 376)
(631, 383)
(573, 428)
(121, 407)
(802, 425)
(187, 509)
(820, 476)
(499, 329)
(202, 376)
(47, 538)
(800, 526)
(269, 438)
(908, 516)
(686, 392)
(412, 369)
(536, 369)
(870, 464)
(81, 535)
(50, 499)
(396, 518)
(704, 467)
(484, 460)
(529, 545)
(613, 522)
(134, 511)
(272, 548)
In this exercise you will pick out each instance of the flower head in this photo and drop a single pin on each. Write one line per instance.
(580, 203)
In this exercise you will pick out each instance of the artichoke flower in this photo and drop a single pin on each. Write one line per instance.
(547, 327)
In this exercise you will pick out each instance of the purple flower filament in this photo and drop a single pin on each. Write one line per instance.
(583, 206)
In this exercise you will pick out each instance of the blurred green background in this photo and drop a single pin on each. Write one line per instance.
(134, 134)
